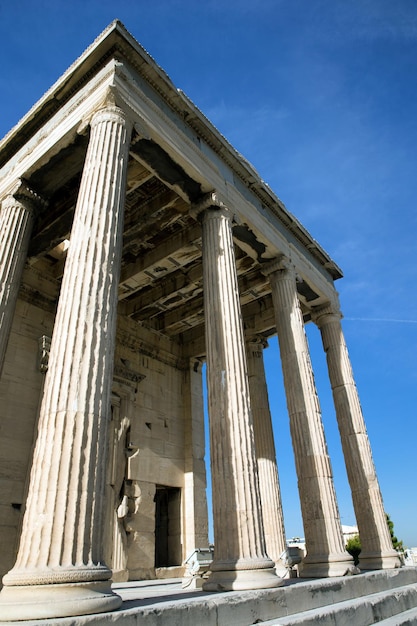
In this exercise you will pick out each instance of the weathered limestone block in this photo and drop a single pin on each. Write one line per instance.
(18, 417)
(141, 556)
(141, 515)
(140, 526)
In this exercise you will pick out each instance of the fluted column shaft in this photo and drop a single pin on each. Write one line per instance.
(194, 501)
(272, 514)
(240, 558)
(61, 539)
(16, 221)
(377, 551)
(326, 555)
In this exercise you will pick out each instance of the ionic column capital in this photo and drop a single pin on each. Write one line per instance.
(109, 109)
(280, 265)
(210, 200)
(110, 113)
(256, 344)
(21, 192)
(327, 313)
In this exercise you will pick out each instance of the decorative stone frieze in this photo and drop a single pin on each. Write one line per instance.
(61, 546)
(150, 346)
(33, 296)
(240, 557)
(326, 555)
(122, 372)
(377, 551)
(272, 514)
(125, 374)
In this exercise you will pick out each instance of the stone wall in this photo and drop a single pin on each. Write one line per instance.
(156, 432)
(20, 389)
(166, 445)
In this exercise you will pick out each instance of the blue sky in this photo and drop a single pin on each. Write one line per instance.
(321, 97)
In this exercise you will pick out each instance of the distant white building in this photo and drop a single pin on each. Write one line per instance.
(299, 542)
(349, 532)
(410, 557)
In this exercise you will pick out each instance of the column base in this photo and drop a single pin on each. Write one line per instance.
(315, 567)
(242, 579)
(379, 560)
(56, 600)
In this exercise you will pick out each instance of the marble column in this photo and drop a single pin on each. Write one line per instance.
(60, 569)
(326, 555)
(272, 514)
(194, 498)
(16, 222)
(240, 560)
(377, 550)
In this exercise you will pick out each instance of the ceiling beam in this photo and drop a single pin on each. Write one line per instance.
(168, 254)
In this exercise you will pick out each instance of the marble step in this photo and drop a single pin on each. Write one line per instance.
(391, 607)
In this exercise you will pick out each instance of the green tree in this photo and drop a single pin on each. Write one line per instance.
(354, 547)
(396, 544)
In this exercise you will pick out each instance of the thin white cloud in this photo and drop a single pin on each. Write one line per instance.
(379, 319)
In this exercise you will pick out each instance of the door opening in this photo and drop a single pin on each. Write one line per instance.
(168, 550)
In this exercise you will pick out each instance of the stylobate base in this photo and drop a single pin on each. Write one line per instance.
(242, 580)
(338, 565)
(56, 600)
(381, 560)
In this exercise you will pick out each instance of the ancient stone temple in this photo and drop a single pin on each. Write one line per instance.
(136, 245)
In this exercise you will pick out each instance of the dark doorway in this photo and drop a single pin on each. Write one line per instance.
(167, 526)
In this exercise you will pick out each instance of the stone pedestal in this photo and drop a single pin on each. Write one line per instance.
(326, 555)
(16, 221)
(240, 558)
(377, 551)
(272, 515)
(60, 569)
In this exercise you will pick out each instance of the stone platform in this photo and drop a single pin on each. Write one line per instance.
(384, 597)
